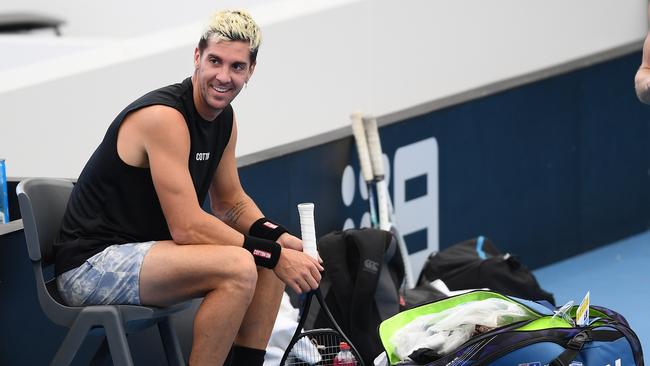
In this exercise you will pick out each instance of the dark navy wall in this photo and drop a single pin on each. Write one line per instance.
(547, 170)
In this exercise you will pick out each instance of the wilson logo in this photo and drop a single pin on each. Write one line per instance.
(261, 253)
(202, 156)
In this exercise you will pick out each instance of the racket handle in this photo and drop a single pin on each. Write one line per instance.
(374, 146)
(377, 159)
(382, 202)
(362, 145)
(308, 228)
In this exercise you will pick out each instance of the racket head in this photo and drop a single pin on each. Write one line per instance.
(314, 347)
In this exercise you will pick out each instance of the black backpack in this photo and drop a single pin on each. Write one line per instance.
(477, 263)
(360, 284)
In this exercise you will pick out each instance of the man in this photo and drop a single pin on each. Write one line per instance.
(642, 78)
(134, 231)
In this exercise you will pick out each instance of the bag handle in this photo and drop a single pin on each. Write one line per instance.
(573, 347)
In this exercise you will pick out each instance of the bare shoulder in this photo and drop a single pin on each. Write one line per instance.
(157, 117)
(158, 123)
(151, 130)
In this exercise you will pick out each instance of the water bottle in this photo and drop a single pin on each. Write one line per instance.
(4, 197)
(344, 357)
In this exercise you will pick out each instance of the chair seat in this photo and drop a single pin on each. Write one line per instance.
(138, 318)
(134, 312)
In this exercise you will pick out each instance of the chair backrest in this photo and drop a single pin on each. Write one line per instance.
(42, 204)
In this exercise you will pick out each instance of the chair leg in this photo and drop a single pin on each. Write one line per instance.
(73, 340)
(101, 355)
(116, 337)
(170, 343)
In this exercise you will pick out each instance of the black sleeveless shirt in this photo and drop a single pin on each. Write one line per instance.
(115, 203)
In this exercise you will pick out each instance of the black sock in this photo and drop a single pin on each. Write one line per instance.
(244, 356)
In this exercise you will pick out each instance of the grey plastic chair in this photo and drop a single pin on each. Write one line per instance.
(42, 204)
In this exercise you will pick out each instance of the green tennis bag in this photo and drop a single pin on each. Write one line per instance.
(489, 328)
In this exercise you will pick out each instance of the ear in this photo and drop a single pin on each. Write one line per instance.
(251, 68)
(197, 58)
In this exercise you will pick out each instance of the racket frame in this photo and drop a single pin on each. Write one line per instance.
(386, 214)
(299, 333)
(307, 226)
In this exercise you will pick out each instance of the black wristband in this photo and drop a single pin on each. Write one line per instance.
(265, 252)
(266, 229)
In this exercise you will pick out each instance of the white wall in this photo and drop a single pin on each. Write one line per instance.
(320, 60)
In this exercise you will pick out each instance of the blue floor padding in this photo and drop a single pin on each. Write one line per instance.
(617, 276)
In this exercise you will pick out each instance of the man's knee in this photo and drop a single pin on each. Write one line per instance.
(243, 277)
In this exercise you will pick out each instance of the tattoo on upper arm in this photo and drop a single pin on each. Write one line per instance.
(235, 212)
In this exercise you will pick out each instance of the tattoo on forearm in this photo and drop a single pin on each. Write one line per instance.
(235, 212)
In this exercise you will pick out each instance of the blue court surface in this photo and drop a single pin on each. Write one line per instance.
(617, 276)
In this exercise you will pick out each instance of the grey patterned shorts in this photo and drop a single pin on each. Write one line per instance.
(111, 276)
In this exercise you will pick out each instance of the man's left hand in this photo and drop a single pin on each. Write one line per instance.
(289, 241)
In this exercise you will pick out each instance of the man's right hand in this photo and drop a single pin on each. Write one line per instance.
(298, 270)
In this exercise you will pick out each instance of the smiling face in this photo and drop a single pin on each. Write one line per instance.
(221, 70)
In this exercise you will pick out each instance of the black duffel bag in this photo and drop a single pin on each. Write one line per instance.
(477, 263)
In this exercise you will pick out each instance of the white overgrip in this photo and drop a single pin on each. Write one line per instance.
(377, 159)
(362, 145)
(308, 228)
(374, 146)
(382, 202)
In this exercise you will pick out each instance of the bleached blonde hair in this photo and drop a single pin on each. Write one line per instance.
(233, 25)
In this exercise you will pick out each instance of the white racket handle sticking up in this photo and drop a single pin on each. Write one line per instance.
(359, 133)
(362, 146)
(308, 228)
(377, 161)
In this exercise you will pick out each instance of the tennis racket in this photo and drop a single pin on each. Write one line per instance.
(364, 161)
(386, 214)
(316, 346)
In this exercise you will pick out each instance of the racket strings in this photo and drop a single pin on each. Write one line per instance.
(315, 349)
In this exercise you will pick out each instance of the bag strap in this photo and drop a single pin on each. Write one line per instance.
(371, 244)
(573, 347)
(334, 252)
(387, 295)
(576, 343)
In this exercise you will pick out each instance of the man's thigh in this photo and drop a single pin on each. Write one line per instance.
(172, 272)
(109, 277)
